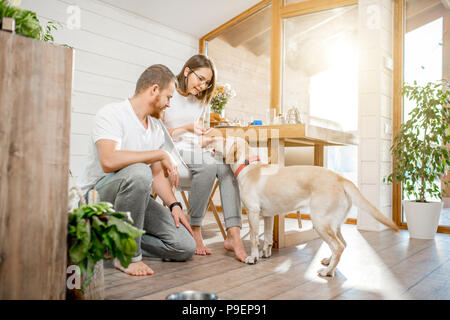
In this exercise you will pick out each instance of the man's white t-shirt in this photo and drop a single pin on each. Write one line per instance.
(183, 111)
(119, 122)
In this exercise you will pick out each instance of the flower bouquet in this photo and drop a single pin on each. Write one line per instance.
(222, 94)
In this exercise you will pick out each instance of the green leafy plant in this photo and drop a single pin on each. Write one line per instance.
(27, 23)
(421, 157)
(97, 230)
(51, 26)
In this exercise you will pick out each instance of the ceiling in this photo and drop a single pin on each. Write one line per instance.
(195, 17)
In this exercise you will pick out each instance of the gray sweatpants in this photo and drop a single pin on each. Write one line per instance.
(129, 190)
(204, 173)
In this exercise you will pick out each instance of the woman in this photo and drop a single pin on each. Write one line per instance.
(188, 109)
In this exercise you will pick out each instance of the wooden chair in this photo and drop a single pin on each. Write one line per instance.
(211, 206)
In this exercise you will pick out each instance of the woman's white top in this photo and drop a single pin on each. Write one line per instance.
(183, 111)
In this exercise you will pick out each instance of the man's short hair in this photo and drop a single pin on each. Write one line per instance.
(156, 74)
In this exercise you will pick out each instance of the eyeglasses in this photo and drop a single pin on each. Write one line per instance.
(202, 80)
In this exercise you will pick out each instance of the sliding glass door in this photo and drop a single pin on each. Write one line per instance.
(426, 54)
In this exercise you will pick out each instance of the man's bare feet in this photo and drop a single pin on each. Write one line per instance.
(201, 249)
(135, 268)
(233, 242)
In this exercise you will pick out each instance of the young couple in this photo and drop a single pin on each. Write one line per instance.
(125, 161)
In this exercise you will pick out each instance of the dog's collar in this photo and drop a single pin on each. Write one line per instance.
(246, 163)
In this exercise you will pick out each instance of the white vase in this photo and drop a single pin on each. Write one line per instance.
(422, 218)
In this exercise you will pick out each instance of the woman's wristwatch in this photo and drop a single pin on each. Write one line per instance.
(175, 204)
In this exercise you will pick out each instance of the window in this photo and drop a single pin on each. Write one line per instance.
(426, 52)
(320, 67)
(320, 78)
(241, 54)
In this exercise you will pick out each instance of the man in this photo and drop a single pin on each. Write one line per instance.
(125, 161)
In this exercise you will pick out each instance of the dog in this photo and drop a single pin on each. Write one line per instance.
(269, 191)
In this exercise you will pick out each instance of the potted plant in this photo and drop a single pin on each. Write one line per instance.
(27, 23)
(221, 95)
(421, 156)
(96, 231)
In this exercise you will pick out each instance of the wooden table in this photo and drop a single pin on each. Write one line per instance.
(276, 138)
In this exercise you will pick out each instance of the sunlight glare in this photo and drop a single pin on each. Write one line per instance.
(284, 267)
(362, 272)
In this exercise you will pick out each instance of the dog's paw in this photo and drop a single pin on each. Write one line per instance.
(251, 260)
(266, 252)
(324, 272)
(325, 261)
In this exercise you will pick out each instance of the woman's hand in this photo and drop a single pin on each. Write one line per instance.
(197, 129)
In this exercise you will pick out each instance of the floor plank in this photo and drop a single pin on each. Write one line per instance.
(375, 265)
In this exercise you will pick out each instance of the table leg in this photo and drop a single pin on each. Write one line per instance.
(318, 155)
(275, 149)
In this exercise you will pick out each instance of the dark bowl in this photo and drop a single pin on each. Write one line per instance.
(192, 295)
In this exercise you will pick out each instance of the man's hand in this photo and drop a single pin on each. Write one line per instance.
(206, 141)
(171, 169)
(178, 216)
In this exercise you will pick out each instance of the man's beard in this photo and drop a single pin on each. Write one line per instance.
(157, 109)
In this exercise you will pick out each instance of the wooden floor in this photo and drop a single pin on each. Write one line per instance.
(375, 265)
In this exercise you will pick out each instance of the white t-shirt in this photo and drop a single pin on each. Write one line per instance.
(182, 111)
(119, 122)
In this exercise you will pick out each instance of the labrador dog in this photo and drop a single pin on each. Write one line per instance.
(269, 190)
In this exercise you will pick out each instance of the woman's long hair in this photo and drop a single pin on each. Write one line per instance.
(196, 62)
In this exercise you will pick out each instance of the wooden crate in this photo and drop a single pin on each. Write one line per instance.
(35, 93)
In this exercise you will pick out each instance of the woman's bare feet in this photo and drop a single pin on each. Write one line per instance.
(134, 269)
(201, 249)
(233, 242)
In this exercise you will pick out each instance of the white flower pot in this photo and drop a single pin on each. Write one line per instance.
(422, 218)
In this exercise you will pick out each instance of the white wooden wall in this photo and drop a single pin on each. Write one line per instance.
(112, 48)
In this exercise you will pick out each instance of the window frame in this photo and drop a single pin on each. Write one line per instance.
(279, 12)
(399, 33)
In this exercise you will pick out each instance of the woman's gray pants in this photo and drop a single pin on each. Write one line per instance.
(129, 190)
(205, 169)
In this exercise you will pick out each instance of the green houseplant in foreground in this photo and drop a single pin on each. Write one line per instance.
(421, 157)
(96, 230)
(27, 23)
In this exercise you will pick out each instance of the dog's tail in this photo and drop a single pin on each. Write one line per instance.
(361, 202)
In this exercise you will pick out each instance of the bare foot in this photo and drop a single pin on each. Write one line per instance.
(135, 268)
(201, 249)
(233, 242)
